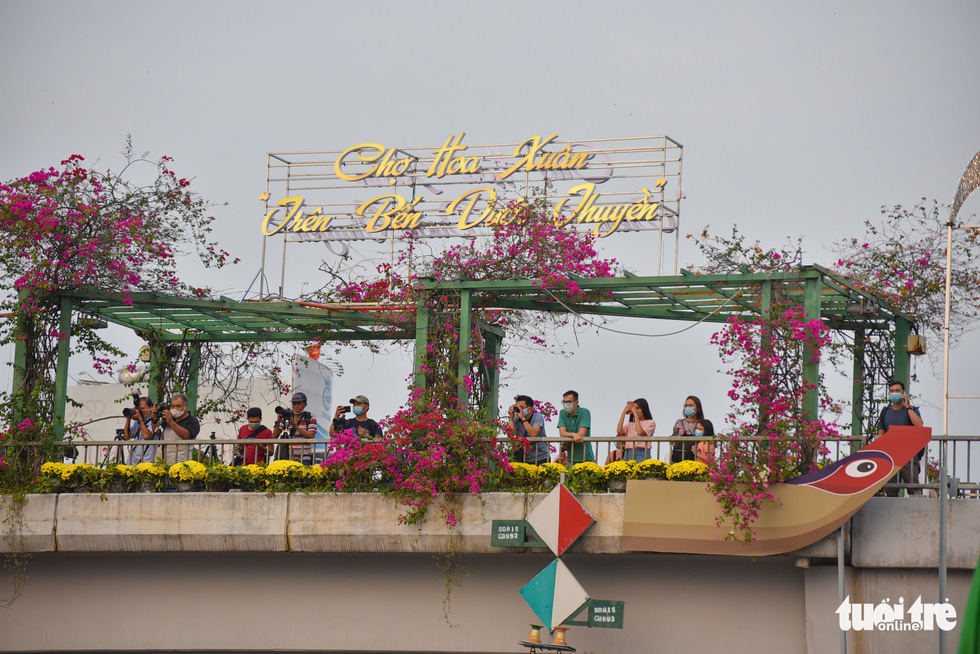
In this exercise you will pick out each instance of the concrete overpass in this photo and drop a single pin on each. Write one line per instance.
(322, 572)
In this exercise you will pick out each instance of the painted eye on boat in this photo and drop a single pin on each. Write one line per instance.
(861, 468)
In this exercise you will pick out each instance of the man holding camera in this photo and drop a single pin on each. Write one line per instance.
(360, 424)
(528, 423)
(297, 423)
(141, 425)
(178, 426)
(249, 454)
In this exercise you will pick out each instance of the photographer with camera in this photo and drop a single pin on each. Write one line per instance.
(360, 424)
(178, 426)
(141, 425)
(249, 454)
(297, 423)
(528, 423)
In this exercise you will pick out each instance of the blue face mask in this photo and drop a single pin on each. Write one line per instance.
(690, 411)
(358, 410)
(895, 398)
(698, 433)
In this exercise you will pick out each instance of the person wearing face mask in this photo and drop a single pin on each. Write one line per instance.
(178, 426)
(142, 427)
(634, 421)
(574, 422)
(692, 425)
(249, 454)
(528, 423)
(360, 424)
(900, 412)
(298, 423)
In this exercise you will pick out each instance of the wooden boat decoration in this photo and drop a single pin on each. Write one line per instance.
(680, 516)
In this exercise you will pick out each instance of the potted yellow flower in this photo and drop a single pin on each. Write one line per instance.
(522, 477)
(81, 477)
(617, 473)
(187, 475)
(688, 471)
(650, 469)
(149, 477)
(285, 475)
(118, 478)
(586, 477)
(551, 473)
(50, 480)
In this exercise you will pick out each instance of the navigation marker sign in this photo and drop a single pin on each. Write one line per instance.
(559, 519)
(554, 595)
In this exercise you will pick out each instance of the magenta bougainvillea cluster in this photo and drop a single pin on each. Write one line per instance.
(769, 436)
(71, 227)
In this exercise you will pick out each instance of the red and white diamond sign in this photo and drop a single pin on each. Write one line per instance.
(560, 519)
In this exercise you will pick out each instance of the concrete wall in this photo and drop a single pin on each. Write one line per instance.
(309, 572)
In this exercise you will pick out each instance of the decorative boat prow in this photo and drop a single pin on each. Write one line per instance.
(681, 516)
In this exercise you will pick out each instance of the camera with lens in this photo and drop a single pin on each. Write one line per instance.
(284, 413)
(163, 406)
(128, 412)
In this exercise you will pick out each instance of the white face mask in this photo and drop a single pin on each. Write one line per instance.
(177, 414)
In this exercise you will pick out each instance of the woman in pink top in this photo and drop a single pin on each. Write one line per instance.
(639, 425)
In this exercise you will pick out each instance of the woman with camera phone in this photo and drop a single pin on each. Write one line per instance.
(639, 425)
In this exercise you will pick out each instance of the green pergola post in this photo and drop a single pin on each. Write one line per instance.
(20, 369)
(465, 325)
(492, 336)
(192, 381)
(157, 362)
(421, 338)
(811, 364)
(857, 390)
(902, 367)
(61, 373)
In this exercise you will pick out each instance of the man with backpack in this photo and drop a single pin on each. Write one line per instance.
(901, 412)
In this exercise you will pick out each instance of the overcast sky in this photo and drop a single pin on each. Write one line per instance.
(795, 121)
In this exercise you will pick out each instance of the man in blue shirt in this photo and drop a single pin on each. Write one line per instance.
(528, 423)
(900, 413)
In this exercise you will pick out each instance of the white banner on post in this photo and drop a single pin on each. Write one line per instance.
(316, 380)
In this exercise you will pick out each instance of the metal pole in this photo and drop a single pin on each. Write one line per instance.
(949, 279)
(840, 581)
(943, 448)
(943, 509)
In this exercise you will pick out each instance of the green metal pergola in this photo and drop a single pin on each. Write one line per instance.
(162, 319)
(688, 297)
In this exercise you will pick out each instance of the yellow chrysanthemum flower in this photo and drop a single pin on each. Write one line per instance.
(187, 471)
(53, 468)
(686, 470)
(553, 468)
(284, 467)
(151, 469)
(525, 469)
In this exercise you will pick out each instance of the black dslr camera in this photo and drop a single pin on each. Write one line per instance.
(128, 412)
(285, 414)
